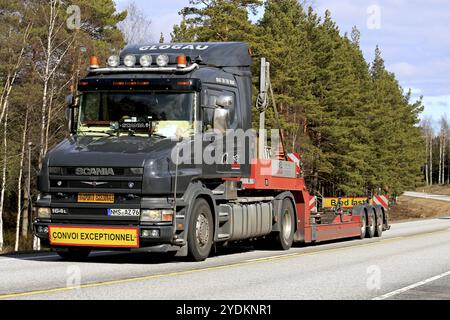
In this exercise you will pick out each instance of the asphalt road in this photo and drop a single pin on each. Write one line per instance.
(427, 196)
(411, 261)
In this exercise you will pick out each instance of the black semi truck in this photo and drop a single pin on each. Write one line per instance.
(118, 181)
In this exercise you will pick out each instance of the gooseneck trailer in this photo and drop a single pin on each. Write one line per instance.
(148, 164)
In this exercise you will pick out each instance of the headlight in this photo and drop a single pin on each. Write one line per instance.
(129, 61)
(162, 60)
(157, 215)
(151, 215)
(146, 61)
(44, 213)
(114, 61)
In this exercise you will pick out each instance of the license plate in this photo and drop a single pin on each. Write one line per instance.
(94, 237)
(124, 212)
(96, 197)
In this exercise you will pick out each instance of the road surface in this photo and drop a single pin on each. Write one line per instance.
(427, 196)
(411, 261)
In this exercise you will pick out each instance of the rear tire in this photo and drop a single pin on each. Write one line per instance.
(285, 238)
(73, 254)
(379, 226)
(371, 225)
(201, 231)
(363, 226)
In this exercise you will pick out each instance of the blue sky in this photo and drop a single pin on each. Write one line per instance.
(414, 36)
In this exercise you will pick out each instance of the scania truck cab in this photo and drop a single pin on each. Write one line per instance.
(147, 165)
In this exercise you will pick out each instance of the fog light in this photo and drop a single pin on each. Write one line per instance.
(114, 61)
(129, 61)
(150, 233)
(146, 61)
(42, 229)
(154, 233)
(43, 213)
(162, 60)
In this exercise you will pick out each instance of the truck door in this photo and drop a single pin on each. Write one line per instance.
(222, 138)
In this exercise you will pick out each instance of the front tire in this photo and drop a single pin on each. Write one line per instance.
(73, 254)
(201, 231)
(285, 238)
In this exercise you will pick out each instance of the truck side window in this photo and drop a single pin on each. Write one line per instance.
(208, 114)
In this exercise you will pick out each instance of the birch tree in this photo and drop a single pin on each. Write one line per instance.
(19, 183)
(54, 50)
(3, 181)
(136, 27)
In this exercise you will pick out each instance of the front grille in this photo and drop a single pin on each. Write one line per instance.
(71, 171)
(124, 181)
(131, 185)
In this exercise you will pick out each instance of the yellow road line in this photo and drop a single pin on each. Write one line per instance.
(228, 266)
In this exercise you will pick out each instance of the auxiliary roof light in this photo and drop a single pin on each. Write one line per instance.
(182, 61)
(129, 61)
(114, 61)
(162, 60)
(146, 60)
(94, 62)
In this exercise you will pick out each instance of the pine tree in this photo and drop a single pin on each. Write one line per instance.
(216, 20)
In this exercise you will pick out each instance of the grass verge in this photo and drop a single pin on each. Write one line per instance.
(408, 208)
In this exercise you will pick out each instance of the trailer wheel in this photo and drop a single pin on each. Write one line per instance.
(200, 234)
(363, 226)
(73, 254)
(285, 238)
(371, 224)
(379, 226)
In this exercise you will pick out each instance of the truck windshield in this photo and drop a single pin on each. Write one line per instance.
(170, 114)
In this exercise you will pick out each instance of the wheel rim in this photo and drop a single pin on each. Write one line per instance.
(287, 225)
(202, 230)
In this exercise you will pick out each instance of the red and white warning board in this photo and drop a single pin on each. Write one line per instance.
(313, 204)
(295, 157)
(382, 201)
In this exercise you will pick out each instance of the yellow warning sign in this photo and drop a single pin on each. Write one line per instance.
(94, 237)
(348, 202)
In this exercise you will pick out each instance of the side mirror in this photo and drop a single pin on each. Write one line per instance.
(69, 100)
(72, 103)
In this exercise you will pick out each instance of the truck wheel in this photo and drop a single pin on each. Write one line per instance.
(371, 225)
(379, 226)
(73, 254)
(285, 238)
(363, 226)
(201, 230)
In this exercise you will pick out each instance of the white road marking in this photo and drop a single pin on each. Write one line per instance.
(413, 286)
